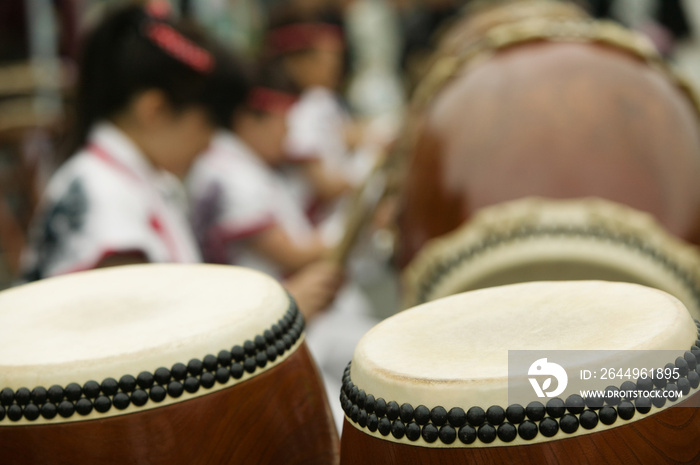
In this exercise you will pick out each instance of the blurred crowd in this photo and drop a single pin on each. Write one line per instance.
(226, 131)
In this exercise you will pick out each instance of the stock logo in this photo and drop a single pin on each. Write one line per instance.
(541, 368)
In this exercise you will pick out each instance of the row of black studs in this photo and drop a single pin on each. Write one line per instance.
(516, 420)
(101, 397)
(440, 270)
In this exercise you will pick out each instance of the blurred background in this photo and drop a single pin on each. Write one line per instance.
(388, 42)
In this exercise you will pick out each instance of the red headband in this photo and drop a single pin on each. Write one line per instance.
(173, 42)
(269, 100)
(301, 36)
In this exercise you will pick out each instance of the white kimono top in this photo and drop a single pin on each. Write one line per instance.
(108, 199)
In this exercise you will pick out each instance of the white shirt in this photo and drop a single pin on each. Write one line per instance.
(236, 195)
(108, 199)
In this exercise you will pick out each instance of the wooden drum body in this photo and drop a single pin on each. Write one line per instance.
(560, 107)
(160, 364)
(432, 384)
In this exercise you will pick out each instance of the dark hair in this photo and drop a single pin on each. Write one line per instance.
(119, 60)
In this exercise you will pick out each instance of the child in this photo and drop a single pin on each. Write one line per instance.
(143, 112)
(243, 213)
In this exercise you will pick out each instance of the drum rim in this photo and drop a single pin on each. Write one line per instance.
(501, 225)
(184, 381)
(449, 426)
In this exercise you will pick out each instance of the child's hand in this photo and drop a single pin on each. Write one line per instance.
(314, 287)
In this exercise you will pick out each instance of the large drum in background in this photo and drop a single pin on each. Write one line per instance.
(536, 239)
(431, 384)
(532, 98)
(159, 364)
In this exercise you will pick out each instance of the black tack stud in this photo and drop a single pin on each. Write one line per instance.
(515, 413)
(549, 427)
(271, 353)
(91, 389)
(361, 398)
(507, 432)
(207, 380)
(195, 367)
(659, 401)
(527, 430)
(362, 418)
(398, 429)
(555, 408)
(222, 375)
(162, 376)
(486, 433)
(83, 406)
(429, 433)
(14, 412)
(682, 366)
(31, 412)
(121, 401)
(109, 386)
(645, 384)
(139, 397)
(406, 412)
(691, 360)
(237, 353)
(249, 347)
(392, 410)
(249, 364)
(684, 385)
(413, 431)
(495, 415)
(476, 416)
(673, 392)
(370, 403)
(660, 382)
(269, 336)
(287, 339)
(127, 383)
(236, 370)
(39, 395)
(588, 419)
(66, 409)
(438, 416)
(628, 387)
(467, 434)
(55, 393)
(49, 411)
(607, 415)
(276, 330)
(145, 380)
(643, 404)
(260, 343)
(7, 396)
(594, 403)
(422, 415)
(612, 395)
(224, 358)
(372, 422)
(191, 384)
(175, 389)
(447, 434)
(179, 371)
(157, 393)
(384, 426)
(535, 411)
(354, 412)
(625, 410)
(279, 345)
(261, 359)
(73, 392)
(22, 396)
(381, 407)
(2, 413)
(568, 423)
(103, 404)
(457, 417)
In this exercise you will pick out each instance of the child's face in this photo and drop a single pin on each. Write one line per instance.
(321, 66)
(184, 135)
(265, 134)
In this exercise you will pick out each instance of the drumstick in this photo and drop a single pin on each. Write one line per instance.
(362, 205)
